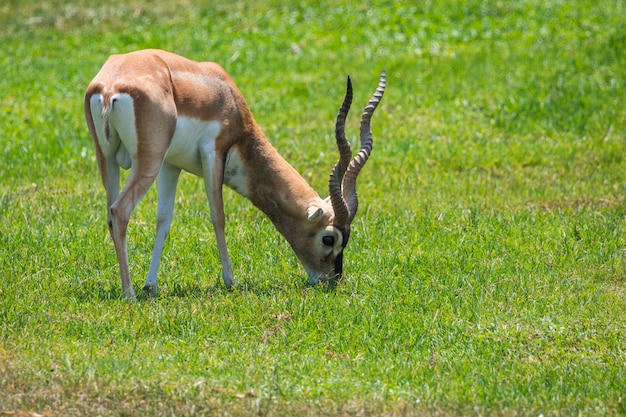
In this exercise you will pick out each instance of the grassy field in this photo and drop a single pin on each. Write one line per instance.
(485, 272)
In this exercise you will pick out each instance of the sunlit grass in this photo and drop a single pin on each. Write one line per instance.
(485, 271)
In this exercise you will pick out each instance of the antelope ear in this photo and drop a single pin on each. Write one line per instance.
(313, 213)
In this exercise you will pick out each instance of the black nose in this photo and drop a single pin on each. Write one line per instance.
(339, 266)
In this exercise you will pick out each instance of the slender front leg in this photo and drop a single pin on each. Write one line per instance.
(166, 186)
(213, 171)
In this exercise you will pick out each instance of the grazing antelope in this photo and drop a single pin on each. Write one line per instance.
(158, 113)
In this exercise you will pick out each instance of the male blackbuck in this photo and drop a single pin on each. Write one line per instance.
(158, 113)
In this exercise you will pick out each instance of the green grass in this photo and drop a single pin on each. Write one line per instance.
(485, 272)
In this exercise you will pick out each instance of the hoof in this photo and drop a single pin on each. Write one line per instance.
(151, 290)
(129, 295)
(229, 281)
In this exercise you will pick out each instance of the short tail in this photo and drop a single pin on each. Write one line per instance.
(106, 112)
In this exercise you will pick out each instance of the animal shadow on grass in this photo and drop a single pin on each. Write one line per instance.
(103, 291)
(259, 288)
(175, 287)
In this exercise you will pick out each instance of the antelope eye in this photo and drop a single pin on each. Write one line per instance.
(328, 240)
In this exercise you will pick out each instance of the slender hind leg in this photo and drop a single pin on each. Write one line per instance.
(139, 181)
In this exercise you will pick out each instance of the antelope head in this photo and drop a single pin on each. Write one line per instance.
(325, 262)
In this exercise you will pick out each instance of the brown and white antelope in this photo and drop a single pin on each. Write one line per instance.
(158, 113)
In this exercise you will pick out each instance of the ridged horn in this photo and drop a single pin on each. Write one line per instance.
(349, 182)
(345, 155)
(347, 204)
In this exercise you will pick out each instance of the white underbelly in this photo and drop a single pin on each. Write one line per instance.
(184, 150)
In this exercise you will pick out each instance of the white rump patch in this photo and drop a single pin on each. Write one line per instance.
(119, 114)
(122, 119)
(97, 115)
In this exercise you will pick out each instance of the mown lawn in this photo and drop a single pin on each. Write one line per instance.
(485, 270)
